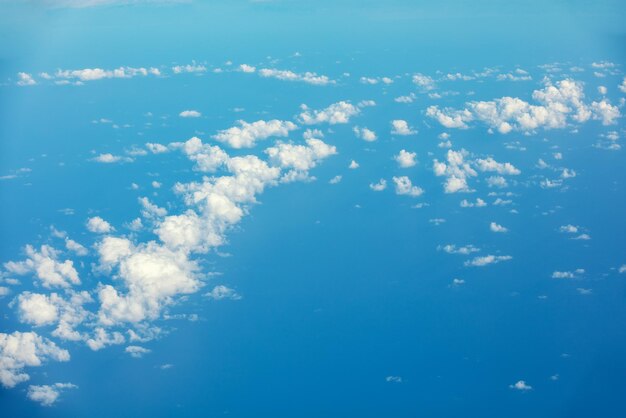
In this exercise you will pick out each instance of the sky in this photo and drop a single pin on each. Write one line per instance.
(292, 208)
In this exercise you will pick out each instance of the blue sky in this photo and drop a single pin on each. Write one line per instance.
(288, 208)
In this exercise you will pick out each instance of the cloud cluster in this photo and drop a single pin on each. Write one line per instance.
(246, 134)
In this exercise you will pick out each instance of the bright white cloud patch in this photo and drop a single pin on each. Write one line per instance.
(486, 260)
(221, 292)
(48, 394)
(307, 77)
(558, 106)
(380, 186)
(97, 225)
(246, 134)
(401, 127)
(46, 267)
(365, 134)
(336, 113)
(190, 114)
(405, 187)
(406, 159)
(25, 349)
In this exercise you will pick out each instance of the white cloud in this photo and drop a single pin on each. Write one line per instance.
(364, 134)
(97, 225)
(335, 180)
(463, 250)
(521, 385)
(558, 105)
(37, 309)
(25, 349)
(48, 394)
(406, 159)
(622, 87)
(405, 187)
(246, 134)
(336, 113)
(136, 351)
(221, 292)
(423, 81)
(497, 181)
(299, 158)
(353, 165)
(189, 68)
(401, 127)
(247, 68)
(489, 165)
(456, 171)
(494, 227)
(380, 186)
(190, 114)
(486, 260)
(307, 77)
(109, 158)
(568, 274)
(479, 203)
(25, 79)
(75, 247)
(46, 267)
(91, 74)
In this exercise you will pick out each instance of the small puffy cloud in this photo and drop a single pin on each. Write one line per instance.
(568, 274)
(245, 68)
(75, 247)
(380, 186)
(307, 77)
(46, 267)
(406, 159)
(456, 170)
(25, 79)
(494, 227)
(622, 87)
(365, 134)
(393, 379)
(479, 203)
(353, 165)
(491, 165)
(108, 158)
(246, 134)
(136, 351)
(25, 349)
(497, 181)
(401, 127)
(335, 180)
(299, 158)
(220, 292)
(336, 113)
(97, 225)
(405, 187)
(190, 114)
(521, 385)
(423, 81)
(486, 260)
(189, 68)
(453, 249)
(48, 394)
(37, 309)
(156, 148)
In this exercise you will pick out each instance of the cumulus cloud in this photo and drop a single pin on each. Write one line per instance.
(307, 77)
(494, 227)
(97, 225)
(91, 74)
(25, 79)
(48, 394)
(336, 113)
(558, 105)
(486, 260)
(221, 292)
(463, 250)
(423, 81)
(405, 187)
(380, 186)
(365, 134)
(299, 159)
(479, 203)
(246, 134)
(136, 351)
(406, 159)
(568, 274)
(44, 264)
(456, 170)
(521, 385)
(401, 127)
(25, 349)
(190, 114)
